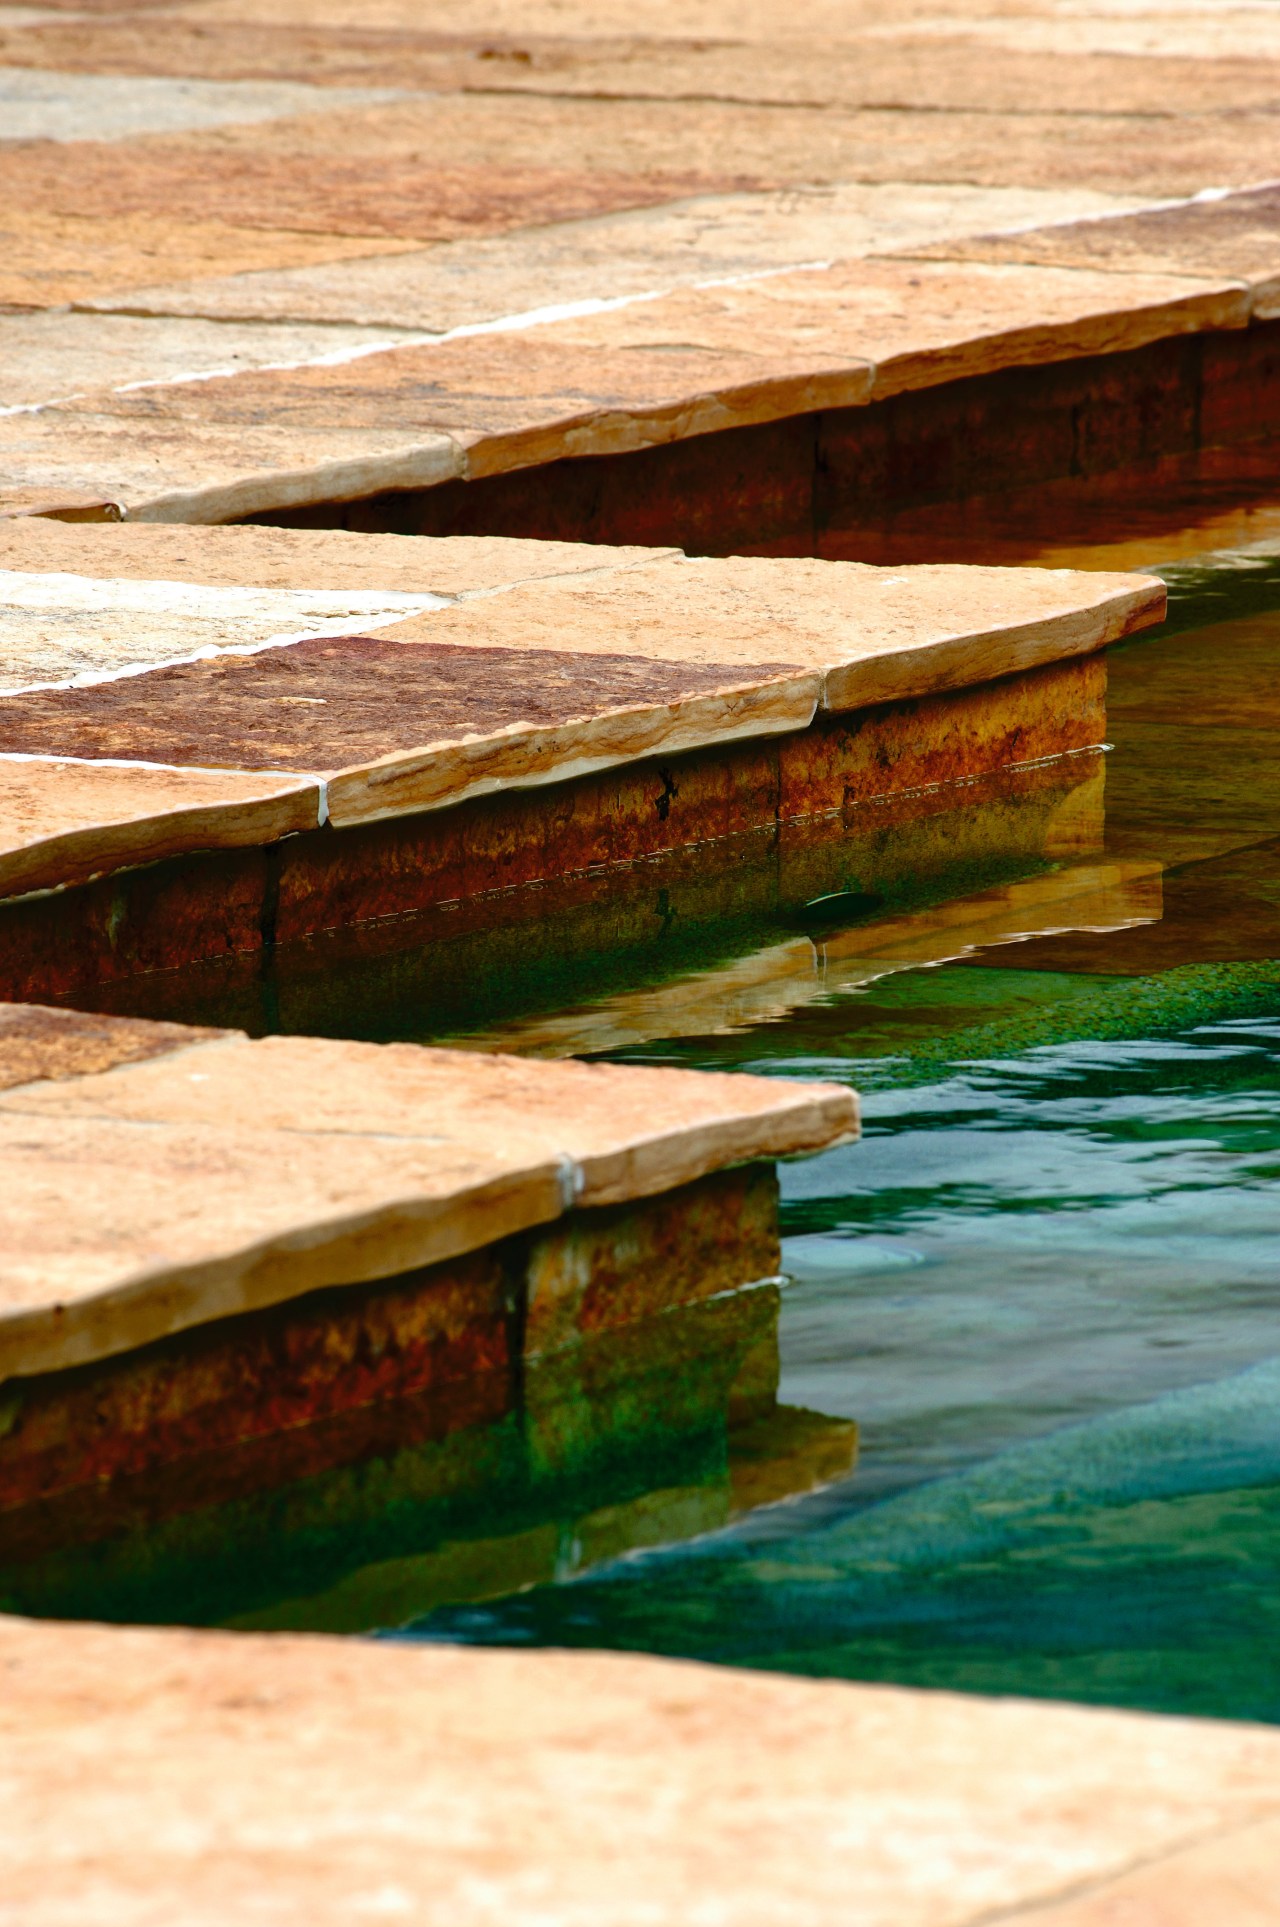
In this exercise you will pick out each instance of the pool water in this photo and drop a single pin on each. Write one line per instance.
(1046, 1284)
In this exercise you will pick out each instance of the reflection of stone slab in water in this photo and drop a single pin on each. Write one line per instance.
(405, 927)
(770, 982)
(658, 1432)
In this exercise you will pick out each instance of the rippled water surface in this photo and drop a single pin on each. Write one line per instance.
(1046, 1283)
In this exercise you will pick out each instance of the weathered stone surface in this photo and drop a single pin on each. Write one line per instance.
(53, 356)
(1197, 32)
(168, 464)
(338, 1778)
(316, 561)
(420, 168)
(922, 324)
(63, 822)
(51, 258)
(863, 70)
(410, 725)
(37, 1044)
(644, 251)
(1234, 235)
(1232, 1877)
(56, 628)
(259, 1171)
(650, 372)
(119, 1233)
(36, 105)
(878, 634)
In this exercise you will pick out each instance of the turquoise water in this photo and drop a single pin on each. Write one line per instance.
(1046, 1284)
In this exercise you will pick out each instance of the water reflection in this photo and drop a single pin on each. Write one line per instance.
(1044, 1282)
(662, 1431)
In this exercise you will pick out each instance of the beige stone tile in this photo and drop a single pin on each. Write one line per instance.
(119, 1233)
(49, 258)
(878, 635)
(422, 168)
(38, 105)
(657, 371)
(61, 628)
(923, 323)
(1237, 236)
(160, 456)
(257, 1171)
(210, 451)
(47, 357)
(689, 363)
(523, 756)
(207, 1777)
(750, 20)
(560, 677)
(643, 251)
(469, 164)
(1205, 33)
(629, 1131)
(62, 822)
(1232, 1877)
(891, 68)
(245, 556)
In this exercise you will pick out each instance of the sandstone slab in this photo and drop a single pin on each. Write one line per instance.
(169, 464)
(644, 251)
(876, 635)
(921, 325)
(63, 822)
(38, 1044)
(1234, 235)
(61, 628)
(397, 725)
(155, 1775)
(42, 105)
(250, 1173)
(51, 356)
(314, 561)
(54, 257)
(848, 69)
(638, 375)
(418, 168)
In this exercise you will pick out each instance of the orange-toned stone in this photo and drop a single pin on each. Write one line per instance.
(1235, 236)
(876, 634)
(37, 1044)
(330, 1775)
(63, 822)
(87, 247)
(288, 1165)
(245, 556)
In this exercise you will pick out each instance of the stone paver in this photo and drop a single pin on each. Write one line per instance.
(243, 1174)
(1237, 235)
(63, 822)
(169, 691)
(652, 371)
(645, 250)
(152, 1776)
